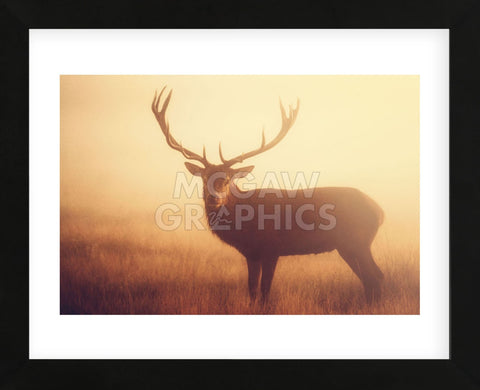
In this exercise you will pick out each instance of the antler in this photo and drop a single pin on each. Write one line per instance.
(287, 123)
(164, 125)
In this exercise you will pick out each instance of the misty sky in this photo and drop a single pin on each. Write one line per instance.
(357, 131)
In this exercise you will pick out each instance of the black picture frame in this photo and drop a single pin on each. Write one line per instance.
(461, 17)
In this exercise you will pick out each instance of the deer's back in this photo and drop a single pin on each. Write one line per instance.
(313, 222)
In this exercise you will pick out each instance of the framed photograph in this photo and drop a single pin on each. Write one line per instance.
(164, 221)
(253, 196)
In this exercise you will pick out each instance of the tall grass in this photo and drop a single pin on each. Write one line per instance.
(129, 266)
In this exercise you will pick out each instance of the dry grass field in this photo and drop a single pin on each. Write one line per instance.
(130, 266)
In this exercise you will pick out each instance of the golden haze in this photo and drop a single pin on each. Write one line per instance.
(116, 169)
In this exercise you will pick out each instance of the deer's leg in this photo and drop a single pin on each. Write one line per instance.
(254, 267)
(373, 276)
(352, 261)
(362, 264)
(367, 257)
(268, 269)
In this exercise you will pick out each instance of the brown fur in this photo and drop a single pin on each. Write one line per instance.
(357, 218)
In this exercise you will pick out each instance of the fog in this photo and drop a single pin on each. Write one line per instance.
(357, 131)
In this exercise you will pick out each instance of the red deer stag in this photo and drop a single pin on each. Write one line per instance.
(261, 224)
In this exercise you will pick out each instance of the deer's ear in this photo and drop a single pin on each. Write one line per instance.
(194, 169)
(244, 171)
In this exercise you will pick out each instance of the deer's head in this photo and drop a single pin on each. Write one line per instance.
(218, 178)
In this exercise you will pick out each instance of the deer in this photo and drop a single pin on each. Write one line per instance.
(326, 218)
